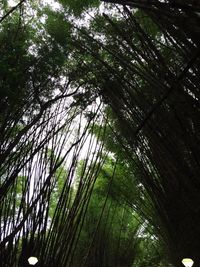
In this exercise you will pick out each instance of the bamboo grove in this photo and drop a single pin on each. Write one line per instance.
(99, 133)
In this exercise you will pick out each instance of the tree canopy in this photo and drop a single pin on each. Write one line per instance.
(99, 133)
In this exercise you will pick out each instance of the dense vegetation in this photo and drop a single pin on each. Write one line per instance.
(99, 133)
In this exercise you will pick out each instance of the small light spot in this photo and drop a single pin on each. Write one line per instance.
(187, 262)
(32, 260)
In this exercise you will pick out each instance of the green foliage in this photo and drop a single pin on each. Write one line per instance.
(113, 233)
(60, 180)
(147, 184)
(58, 28)
(109, 232)
(16, 195)
(77, 7)
(15, 62)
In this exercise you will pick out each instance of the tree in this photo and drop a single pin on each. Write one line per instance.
(149, 79)
(142, 62)
(37, 116)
